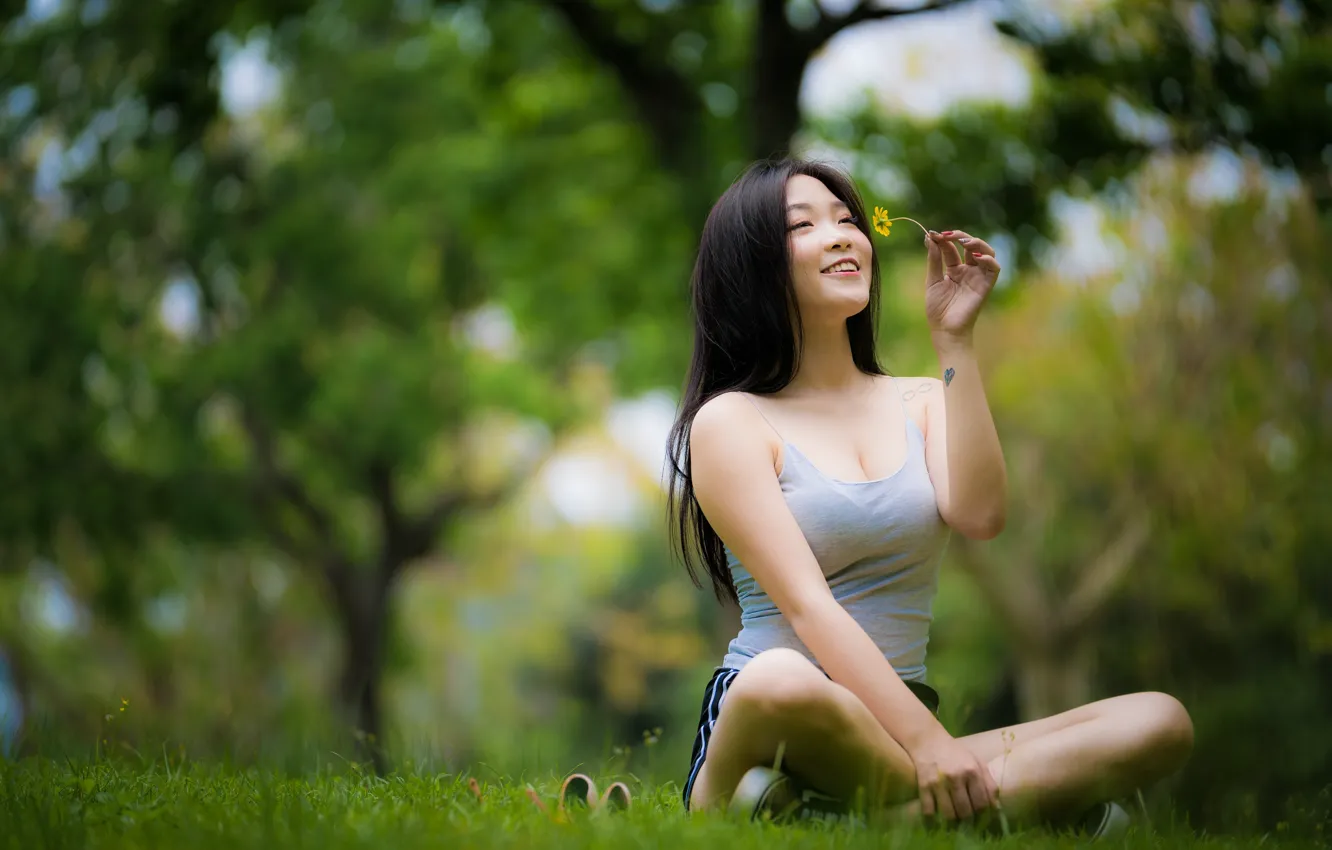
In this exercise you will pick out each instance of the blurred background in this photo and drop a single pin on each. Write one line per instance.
(339, 340)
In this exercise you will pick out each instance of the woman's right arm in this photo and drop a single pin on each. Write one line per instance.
(736, 486)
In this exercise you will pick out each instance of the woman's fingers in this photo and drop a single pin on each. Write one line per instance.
(961, 800)
(979, 793)
(927, 808)
(987, 264)
(955, 247)
(972, 248)
(964, 796)
(959, 788)
(969, 242)
(947, 249)
(934, 265)
(944, 800)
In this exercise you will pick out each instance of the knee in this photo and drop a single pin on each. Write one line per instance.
(1168, 727)
(781, 684)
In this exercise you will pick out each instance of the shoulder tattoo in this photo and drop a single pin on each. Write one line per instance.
(920, 390)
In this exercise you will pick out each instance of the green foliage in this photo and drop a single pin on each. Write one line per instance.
(334, 262)
(1247, 76)
(1185, 388)
(1114, 87)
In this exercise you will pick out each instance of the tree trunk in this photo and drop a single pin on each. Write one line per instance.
(781, 55)
(364, 620)
(1052, 679)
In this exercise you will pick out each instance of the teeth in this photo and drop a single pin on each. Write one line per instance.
(843, 267)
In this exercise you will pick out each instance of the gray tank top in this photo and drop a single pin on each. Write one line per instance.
(879, 544)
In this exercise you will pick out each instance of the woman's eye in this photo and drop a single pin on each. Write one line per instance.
(851, 219)
(799, 225)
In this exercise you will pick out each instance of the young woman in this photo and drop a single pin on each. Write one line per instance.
(818, 492)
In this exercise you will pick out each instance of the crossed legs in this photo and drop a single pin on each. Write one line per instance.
(1045, 768)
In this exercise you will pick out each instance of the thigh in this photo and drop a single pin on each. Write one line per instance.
(991, 744)
(827, 735)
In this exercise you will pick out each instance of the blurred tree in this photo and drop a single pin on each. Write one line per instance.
(1166, 425)
(1114, 85)
(716, 84)
(1250, 78)
(294, 320)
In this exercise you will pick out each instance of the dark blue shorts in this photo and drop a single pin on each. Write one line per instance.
(715, 693)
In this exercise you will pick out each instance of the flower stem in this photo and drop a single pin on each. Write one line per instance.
(913, 221)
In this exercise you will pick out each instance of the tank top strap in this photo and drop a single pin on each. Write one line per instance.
(764, 415)
(898, 389)
(909, 424)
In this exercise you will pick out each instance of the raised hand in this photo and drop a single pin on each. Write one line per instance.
(959, 276)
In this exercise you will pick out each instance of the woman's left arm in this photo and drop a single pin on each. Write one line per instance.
(962, 450)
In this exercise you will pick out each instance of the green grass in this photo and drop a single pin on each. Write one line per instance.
(47, 804)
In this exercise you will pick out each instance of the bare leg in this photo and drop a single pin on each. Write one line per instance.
(1046, 769)
(832, 741)
(1061, 765)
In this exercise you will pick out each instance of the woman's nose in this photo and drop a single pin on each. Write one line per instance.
(837, 241)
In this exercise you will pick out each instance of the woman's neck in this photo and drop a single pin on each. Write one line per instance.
(826, 365)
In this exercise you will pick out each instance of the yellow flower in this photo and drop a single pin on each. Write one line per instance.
(882, 223)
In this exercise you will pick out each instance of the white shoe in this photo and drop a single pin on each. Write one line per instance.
(764, 791)
(1113, 823)
(761, 790)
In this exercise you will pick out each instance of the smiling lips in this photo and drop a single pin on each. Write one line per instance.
(843, 267)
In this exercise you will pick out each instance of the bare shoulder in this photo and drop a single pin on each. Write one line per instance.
(725, 418)
(729, 428)
(921, 396)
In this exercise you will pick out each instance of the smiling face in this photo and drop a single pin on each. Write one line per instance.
(830, 254)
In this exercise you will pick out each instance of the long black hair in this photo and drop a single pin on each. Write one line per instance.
(747, 331)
